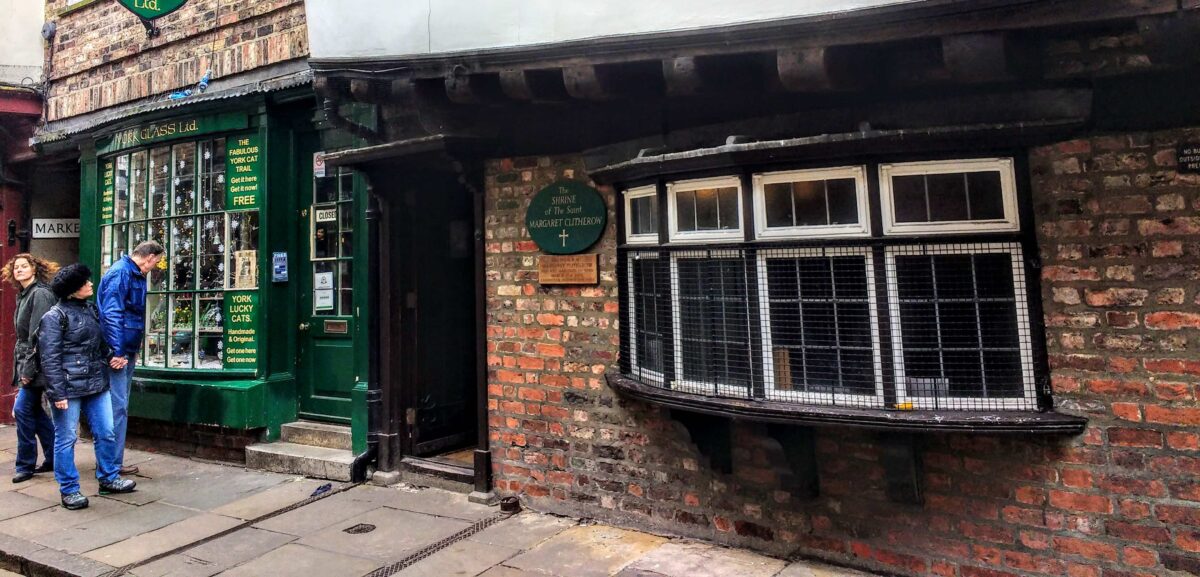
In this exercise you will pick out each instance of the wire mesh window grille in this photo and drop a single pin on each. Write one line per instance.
(711, 321)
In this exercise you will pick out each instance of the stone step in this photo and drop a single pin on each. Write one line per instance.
(316, 434)
(296, 459)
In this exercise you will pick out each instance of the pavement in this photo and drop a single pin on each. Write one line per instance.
(197, 519)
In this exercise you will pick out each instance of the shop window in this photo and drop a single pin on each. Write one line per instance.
(705, 210)
(332, 229)
(820, 311)
(641, 215)
(176, 195)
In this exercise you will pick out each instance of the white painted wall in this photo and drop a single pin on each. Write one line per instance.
(21, 40)
(416, 27)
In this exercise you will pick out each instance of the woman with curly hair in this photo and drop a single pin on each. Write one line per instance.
(31, 276)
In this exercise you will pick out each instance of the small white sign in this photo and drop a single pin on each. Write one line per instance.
(326, 214)
(56, 228)
(319, 164)
(323, 280)
(323, 300)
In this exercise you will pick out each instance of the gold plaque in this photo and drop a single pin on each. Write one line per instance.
(568, 269)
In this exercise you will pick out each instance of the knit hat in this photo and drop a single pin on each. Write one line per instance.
(69, 279)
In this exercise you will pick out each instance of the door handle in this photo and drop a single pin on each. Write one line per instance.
(303, 326)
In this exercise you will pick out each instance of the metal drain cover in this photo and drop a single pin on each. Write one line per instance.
(359, 529)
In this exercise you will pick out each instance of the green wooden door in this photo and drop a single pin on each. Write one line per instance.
(326, 276)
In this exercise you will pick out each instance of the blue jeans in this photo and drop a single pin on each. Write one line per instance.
(33, 425)
(118, 385)
(99, 411)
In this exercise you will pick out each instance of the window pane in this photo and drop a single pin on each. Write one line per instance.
(346, 288)
(777, 200)
(243, 249)
(986, 195)
(811, 209)
(908, 199)
(182, 253)
(714, 318)
(347, 186)
(346, 221)
(685, 203)
(210, 327)
(324, 288)
(185, 178)
(706, 209)
(325, 189)
(727, 199)
(121, 196)
(643, 215)
(947, 197)
(182, 331)
(138, 191)
(325, 234)
(212, 182)
(160, 179)
(842, 195)
(106, 248)
(158, 275)
(212, 251)
(137, 233)
(652, 310)
(120, 240)
(156, 330)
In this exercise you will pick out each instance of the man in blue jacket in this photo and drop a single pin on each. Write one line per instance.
(122, 301)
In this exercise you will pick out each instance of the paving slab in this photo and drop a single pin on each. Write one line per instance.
(813, 569)
(427, 500)
(61, 562)
(462, 559)
(694, 559)
(209, 490)
(502, 571)
(319, 515)
(523, 531)
(231, 550)
(6, 484)
(159, 541)
(56, 518)
(4, 573)
(13, 504)
(113, 528)
(271, 500)
(397, 534)
(295, 559)
(593, 551)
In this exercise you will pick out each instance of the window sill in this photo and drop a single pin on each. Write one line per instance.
(994, 422)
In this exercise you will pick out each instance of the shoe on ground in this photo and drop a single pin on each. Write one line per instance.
(74, 501)
(129, 470)
(22, 477)
(118, 486)
(45, 467)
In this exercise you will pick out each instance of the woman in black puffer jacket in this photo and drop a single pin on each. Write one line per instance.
(73, 356)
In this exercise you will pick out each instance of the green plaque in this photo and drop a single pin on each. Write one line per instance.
(241, 330)
(243, 172)
(566, 217)
(107, 192)
(151, 9)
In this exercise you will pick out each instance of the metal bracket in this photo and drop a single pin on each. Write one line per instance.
(152, 30)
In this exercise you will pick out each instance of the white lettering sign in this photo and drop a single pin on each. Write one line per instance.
(56, 228)
(326, 214)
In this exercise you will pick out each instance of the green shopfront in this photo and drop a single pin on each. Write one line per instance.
(252, 320)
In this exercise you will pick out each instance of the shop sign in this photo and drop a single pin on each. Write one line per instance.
(241, 330)
(243, 169)
(1187, 157)
(566, 217)
(158, 131)
(568, 269)
(107, 191)
(151, 9)
(56, 228)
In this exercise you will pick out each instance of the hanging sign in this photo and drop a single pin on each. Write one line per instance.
(151, 9)
(243, 170)
(107, 191)
(241, 330)
(566, 217)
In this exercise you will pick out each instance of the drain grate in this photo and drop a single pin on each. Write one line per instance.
(428, 550)
(359, 529)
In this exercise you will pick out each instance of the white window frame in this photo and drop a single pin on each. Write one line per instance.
(631, 195)
(859, 229)
(701, 236)
(1008, 189)
(1025, 335)
(689, 385)
(869, 401)
(636, 369)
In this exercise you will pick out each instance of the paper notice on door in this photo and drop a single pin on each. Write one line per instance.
(323, 299)
(323, 280)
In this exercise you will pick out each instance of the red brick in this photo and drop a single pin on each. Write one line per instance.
(1139, 557)
(1173, 366)
(1116, 297)
(1182, 441)
(1171, 321)
(1188, 540)
(1135, 437)
(1172, 415)
(1114, 387)
(1178, 514)
(1080, 502)
(1085, 548)
(1069, 273)
(1127, 411)
(1139, 533)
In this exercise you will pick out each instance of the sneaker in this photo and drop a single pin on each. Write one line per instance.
(118, 486)
(22, 476)
(74, 501)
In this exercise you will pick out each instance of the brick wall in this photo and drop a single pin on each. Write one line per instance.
(102, 58)
(1120, 249)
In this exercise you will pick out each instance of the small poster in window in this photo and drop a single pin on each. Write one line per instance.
(245, 269)
(319, 164)
(323, 299)
(323, 280)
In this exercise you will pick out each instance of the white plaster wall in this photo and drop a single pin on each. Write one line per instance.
(21, 40)
(338, 29)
